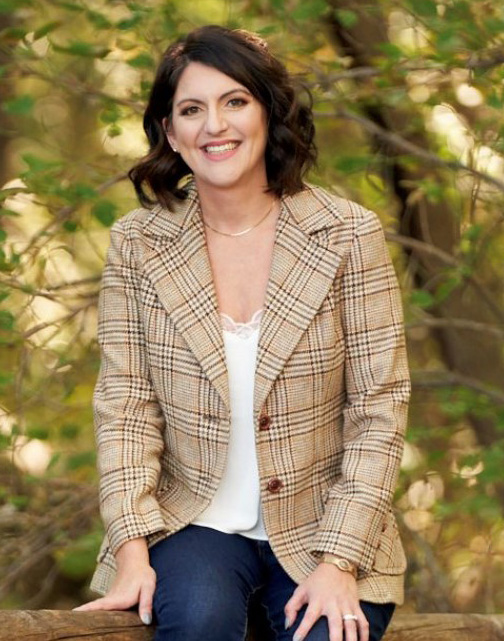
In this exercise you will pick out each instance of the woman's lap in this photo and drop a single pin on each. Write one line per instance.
(205, 580)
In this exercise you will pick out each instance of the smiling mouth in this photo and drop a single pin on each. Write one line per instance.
(219, 149)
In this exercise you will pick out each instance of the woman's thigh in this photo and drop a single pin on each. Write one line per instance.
(204, 582)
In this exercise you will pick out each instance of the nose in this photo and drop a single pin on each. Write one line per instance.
(215, 121)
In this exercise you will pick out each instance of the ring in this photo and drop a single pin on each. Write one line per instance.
(350, 617)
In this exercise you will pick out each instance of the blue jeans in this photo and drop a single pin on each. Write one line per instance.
(206, 579)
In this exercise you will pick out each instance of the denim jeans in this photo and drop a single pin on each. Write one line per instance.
(205, 581)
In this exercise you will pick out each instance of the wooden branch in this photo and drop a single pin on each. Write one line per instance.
(424, 379)
(446, 627)
(41, 625)
(403, 145)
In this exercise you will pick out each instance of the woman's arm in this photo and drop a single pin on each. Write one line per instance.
(128, 420)
(377, 388)
(129, 424)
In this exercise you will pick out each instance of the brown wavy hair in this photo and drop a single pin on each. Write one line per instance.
(245, 57)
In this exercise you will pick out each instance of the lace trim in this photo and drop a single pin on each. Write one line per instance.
(244, 330)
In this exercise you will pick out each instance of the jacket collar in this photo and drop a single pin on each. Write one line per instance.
(313, 210)
(305, 262)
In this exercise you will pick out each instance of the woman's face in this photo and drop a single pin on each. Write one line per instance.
(219, 129)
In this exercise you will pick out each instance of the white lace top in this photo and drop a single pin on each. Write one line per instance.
(236, 506)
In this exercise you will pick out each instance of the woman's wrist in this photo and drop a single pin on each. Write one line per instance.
(342, 564)
(133, 551)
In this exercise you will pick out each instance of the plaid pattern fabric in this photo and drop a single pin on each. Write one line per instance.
(331, 376)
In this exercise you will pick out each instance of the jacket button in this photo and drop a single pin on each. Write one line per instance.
(275, 485)
(264, 422)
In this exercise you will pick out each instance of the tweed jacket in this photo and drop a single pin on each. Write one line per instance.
(330, 396)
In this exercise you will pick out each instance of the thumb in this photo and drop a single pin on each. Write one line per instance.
(293, 605)
(145, 604)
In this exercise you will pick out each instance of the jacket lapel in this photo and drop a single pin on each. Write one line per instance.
(179, 268)
(305, 261)
(306, 258)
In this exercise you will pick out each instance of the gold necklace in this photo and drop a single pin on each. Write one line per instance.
(245, 231)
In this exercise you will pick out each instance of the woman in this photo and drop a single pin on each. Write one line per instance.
(252, 398)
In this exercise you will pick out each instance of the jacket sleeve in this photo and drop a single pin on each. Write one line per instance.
(377, 394)
(128, 419)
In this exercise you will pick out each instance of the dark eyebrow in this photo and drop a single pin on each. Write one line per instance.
(224, 95)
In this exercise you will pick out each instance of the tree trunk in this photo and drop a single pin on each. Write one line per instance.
(472, 356)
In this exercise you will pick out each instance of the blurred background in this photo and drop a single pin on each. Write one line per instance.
(409, 97)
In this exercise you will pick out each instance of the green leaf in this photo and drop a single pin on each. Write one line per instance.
(105, 212)
(83, 49)
(351, 164)
(392, 52)
(10, 6)
(13, 33)
(421, 298)
(7, 320)
(38, 432)
(110, 114)
(494, 100)
(19, 106)
(142, 61)
(47, 28)
(66, 4)
(3, 235)
(98, 20)
(82, 459)
(69, 431)
(309, 10)
(84, 190)
(37, 164)
(70, 226)
(77, 558)
(114, 130)
(6, 379)
(19, 501)
(473, 232)
(128, 23)
(424, 8)
(347, 17)
(9, 212)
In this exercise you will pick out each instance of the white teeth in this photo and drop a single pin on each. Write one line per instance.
(218, 149)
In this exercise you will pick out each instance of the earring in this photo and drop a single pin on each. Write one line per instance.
(175, 149)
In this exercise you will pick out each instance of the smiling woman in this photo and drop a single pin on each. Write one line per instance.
(252, 397)
(220, 130)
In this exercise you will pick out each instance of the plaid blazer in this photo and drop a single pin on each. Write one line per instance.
(331, 387)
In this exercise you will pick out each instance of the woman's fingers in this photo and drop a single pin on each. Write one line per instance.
(106, 603)
(309, 619)
(293, 605)
(145, 601)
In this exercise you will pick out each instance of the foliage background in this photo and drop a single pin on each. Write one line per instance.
(409, 103)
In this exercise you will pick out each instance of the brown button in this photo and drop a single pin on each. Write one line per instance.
(264, 422)
(275, 485)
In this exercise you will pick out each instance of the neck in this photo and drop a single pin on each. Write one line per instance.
(231, 210)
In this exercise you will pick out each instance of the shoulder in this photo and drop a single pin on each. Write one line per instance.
(316, 208)
(131, 222)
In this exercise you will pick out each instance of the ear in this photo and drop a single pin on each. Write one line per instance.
(168, 129)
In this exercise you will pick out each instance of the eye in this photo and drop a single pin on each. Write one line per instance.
(189, 111)
(236, 102)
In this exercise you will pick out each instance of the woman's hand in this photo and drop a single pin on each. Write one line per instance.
(332, 593)
(134, 583)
